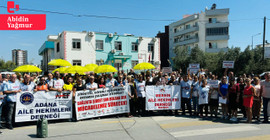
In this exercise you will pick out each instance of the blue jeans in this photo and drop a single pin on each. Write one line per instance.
(265, 107)
(195, 104)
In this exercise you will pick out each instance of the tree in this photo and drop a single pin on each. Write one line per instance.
(6, 66)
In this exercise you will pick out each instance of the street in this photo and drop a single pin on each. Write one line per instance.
(155, 127)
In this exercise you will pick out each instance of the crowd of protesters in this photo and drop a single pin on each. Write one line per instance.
(242, 93)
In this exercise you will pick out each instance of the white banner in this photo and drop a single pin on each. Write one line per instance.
(162, 97)
(228, 64)
(101, 102)
(52, 105)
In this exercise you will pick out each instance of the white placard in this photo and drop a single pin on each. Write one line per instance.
(167, 70)
(52, 105)
(228, 64)
(266, 52)
(213, 83)
(101, 102)
(162, 97)
(222, 101)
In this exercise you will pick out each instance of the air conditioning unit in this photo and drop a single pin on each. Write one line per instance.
(154, 39)
(157, 62)
(121, 53)
(140, 38)
(113, 51)
(91, 34)
(110, 34)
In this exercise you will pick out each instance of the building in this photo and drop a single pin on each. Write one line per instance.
(19, 57)
(164, 47)
(81, 48)
(209, 30)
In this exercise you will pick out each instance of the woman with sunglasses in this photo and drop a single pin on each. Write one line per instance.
(249, 92)
(223, 95)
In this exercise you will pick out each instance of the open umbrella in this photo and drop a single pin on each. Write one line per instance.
(144, 66)
(105, 69)
(59, 62)
(76, 69)
(61, 70)
(91, 67)
(27, 68)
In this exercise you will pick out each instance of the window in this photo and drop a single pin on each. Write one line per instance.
(134, 46)
(99, 62)
(76, 43)
(150, 47)
(134, 63)
(217, 31)
(214, 45)
(188, 26)
(118, 45)
(195, 24)
(99, 44)
(57, 47)
(214, 20)
(77, 62)
(210, 20)
(175, 30)
(210, 45)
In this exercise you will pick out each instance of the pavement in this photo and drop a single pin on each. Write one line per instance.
(145, 128)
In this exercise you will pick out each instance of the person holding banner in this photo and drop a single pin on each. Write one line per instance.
(91, 85)
(27, 85)
(42, 85)
(140, 85)
(68, 86)
(203, 98)
(57, 84)
(11, 88)
(223, 95)
(110, 81)
(186, 94)
(101, 83)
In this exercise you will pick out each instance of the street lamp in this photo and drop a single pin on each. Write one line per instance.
(252, 39)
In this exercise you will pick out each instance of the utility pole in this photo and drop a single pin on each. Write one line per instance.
(264, 24)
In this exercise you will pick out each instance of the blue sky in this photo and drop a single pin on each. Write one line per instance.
(246, 19)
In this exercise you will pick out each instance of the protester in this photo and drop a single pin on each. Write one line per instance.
(27, 84)
(249, 92)
(239, 100)
(257, 100)
(11, 88)
(132, 93)
(223, 93)
(195, 90)
(91, 85)
(214, 99)
(57, 84)
(232, 93)
(101, 83)
(186, 94)
(110, 81)
(68, 86)
(42, 85)
(1, 99)
(266, 96)
(140, 85)
(203, 97)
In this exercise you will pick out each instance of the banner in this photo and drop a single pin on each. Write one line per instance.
(101, 102)
(52, 105)
(194, 68)
(228, 64)
(213, 83)
(162, 97)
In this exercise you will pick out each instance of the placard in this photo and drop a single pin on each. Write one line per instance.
(228, 64)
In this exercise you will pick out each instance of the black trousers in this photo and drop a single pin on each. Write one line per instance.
(132, 107)
(141, 105)
(205, 107)
(10, 118)
(184, 102)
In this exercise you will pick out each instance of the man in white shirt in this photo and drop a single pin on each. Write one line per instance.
(27, 84)
(91, 85)
(57, 83)
(11, 88)
(186, 86)
(265, 85)
(110, 81)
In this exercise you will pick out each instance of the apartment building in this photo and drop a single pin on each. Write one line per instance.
(19, 57)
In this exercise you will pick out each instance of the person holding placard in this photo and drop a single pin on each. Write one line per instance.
(214, 98)
(203, 97)
(223, 95)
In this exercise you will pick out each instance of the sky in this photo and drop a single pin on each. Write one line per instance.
(245, 17)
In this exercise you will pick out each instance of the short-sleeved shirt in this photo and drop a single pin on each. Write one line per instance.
(140, 89)
(110, 82)
(203, 95)
(186, 88)
(196, 87)
(10, 86)
(68, 86)
(49, 82)
(93, 85)
(224, 89)
(29, 87)
(265, 89)
(42, 87)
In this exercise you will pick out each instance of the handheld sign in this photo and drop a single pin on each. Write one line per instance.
(194, 68)
(166, 70)
(228, 64)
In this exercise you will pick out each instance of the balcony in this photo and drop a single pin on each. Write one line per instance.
(217, 12)
(217, 37)
(217, 25)
(187, 41)
(215, 50)
(192, 29)
(185, 20)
